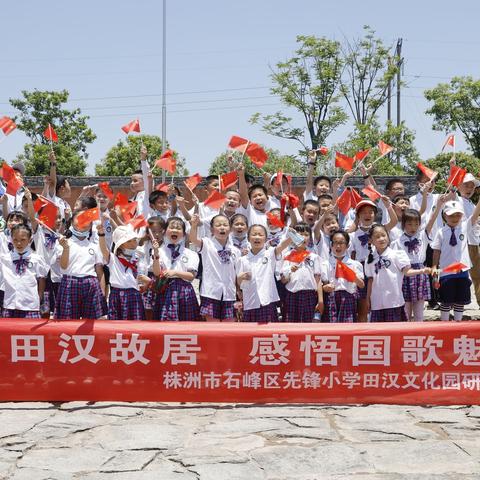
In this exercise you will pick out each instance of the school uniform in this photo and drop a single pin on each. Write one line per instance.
(453, 246)
(432, 199)
(240, 243)
(63, 206)
(21, 272)
(125, 301)
(359, 244)
(178, 301)
(386, 299)
(144, 254)
(417, 287)
(254, 216)
(79, 293)
(15, 201)
(340, 306)
(260, 294)
(301, 288)
(218, 290)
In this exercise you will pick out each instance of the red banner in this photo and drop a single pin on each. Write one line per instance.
(402, 363)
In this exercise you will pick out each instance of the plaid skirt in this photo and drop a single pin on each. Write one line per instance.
(149, 296)
(125, 304)
(300, 306)
(7, 313)
(389, 315)
(340, 307)
(267, 313)
(219, 309)
(416, 288)
(80, 297)
(177, 302)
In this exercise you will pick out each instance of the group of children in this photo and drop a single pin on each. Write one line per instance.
(264, 256)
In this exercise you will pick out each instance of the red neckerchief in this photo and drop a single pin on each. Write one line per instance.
(128, 264)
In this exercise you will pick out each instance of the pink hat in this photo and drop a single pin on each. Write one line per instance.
(364, 203)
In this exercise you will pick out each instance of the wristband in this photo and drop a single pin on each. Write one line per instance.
(53, 164)
(312, 163)
(365, 177)
(101, 234)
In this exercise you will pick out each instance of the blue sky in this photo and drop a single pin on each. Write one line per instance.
(107, 54)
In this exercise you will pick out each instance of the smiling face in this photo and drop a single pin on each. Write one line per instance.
(411, 227)
(102, 200)
(220, 228)
(339, 245)
(161, 204)
(330, 225)
(239, 227)
(310, 214)
(366, 215)
(257, 237)
(232, 202)
(136, 183)
(454, 220)
(174, 232)
(380, 239)
(258, 199)
(466, 189)
(322, 187)
(21, 240)
(157, 231)
(396, 188)
(400, 206)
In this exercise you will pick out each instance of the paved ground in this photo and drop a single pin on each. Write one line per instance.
(118, 441)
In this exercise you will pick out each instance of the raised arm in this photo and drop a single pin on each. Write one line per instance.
(52, 187)
(312, 162)
(102, 243)
(242, 186)
(194, 222)
(391, 212)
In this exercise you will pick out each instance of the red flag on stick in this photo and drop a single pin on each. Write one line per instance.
(162, 187)
(167, 162)
(297, 256)
(138, 222)
(255, 152)
(384, 148)
(7, 125)
(228, 179)
(343, 161)
(120, 199)
(88, 216)
(322, 150)
(450, 141)
(278, 178)
(133, 126)
(193, 181)
(47, 211)
(342, 271)
(454, 268)
(371, 193)
(105, 188)
(128, 211)
(293, 200)
(359, 156)
(456, 176)
(50, 134)
(238, 143)
(11, 179)
(355, 197)
(274, 220)
(426, 171)
(215, 200)
(344, 201)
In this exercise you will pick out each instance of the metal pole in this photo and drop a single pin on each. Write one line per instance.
(164, 84)
(389, 96)
(399, 64)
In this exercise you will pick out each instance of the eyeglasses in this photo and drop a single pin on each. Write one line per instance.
(339, 243)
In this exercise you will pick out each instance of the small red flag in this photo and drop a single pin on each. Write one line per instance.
(257, 155)
(120, 199)
(293, 200)
(384, 148)
(88, 216)
(215, 200)
(162, 187)
(456, 176)
(133, 126)
(228, 179)
(426, 171)
(50, 134)
(344, 201)
(47, 213)
(238, 143)
(274, 220)
(297, 256)
(278, 178)
(11, 179)
(7, 125)
(167, 162)
(283, 204)
(322, 150)
(355, 197)
(342, 271)
(193, 181)
(138, 222)
(343, 161)
(454, 268)
(128, 211)
(359, 156)
(105, 188)
(450, 141)
(371, 193)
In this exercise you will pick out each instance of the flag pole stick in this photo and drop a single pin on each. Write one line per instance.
(1, 140)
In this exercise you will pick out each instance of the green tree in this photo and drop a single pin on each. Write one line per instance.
(124, 158)
(457, 106)
(308, 83)
(276, 161)
(369, 67)
(35, 111)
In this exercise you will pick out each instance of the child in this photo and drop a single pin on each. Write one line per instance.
(275, 234)
(302, 280)
(217, 290)
(231, 204)
(385, 270)
(339, 293)
(450, 245)
(365, 213)
(325, 227)
(23, 273)
(238, 232)
(79, 293)
(253, 201)
(160, 205)
(256, 277)
(179, 265)
(414, 242)
(320, 185)
(58, 189)
(125, 301)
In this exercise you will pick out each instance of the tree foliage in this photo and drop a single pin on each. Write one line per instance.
(35, 111)
(124, 158)
(309, 83)
(457, 106)
(276, 161)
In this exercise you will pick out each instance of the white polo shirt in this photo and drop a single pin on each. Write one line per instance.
(121, 276)
(304, 277)
(187, 261)
(261, 289)
(328, 273)
(82, 258)
(416, 254)
(254, 216)
(432, 199)
(50, 254)
(388, 279)
(21, 291)
(218, 278)
(359, 244)
(468, 208)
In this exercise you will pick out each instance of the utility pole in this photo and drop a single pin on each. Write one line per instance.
(389, 94)
(164, 84)
(398, 54)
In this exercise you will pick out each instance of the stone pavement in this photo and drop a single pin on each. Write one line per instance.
(146, 441)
